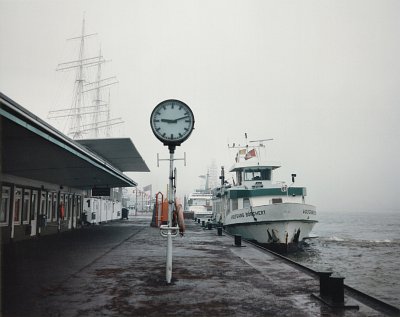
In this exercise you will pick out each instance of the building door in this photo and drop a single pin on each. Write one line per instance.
(49, 205)
(34, 212)
(16, 210)
(61, 211)
(74, 211)
(66, 206)
(26, 208)
(42, 211)
(54, 209)
(79, 206)
(5, 206)
(70, 213)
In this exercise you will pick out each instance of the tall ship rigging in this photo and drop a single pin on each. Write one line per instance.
(89, 118)
(89, 114)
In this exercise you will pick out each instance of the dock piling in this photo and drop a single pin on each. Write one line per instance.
(336, 289)
(238, 240)
(324, 283)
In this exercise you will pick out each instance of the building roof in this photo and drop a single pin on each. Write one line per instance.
(120, 152)
(33, 149)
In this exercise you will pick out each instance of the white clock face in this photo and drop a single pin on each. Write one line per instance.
(172, 121)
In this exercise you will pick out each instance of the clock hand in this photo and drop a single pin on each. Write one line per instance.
(182, 118)
(168, 120)
(173, 120)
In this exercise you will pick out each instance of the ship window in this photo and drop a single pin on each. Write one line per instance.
(234, 204)
(276, 200)
(257, 174)
(239, 177)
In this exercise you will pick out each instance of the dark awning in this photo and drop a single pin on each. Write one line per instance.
(33, 149)
(120, 152)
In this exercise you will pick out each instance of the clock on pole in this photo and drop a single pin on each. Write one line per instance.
(172, 122)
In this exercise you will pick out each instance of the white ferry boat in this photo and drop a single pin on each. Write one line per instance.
(272, 214)
(200, 203)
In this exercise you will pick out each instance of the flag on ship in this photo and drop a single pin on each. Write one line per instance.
(250, 154)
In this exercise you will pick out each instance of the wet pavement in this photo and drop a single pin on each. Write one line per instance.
(118, 269)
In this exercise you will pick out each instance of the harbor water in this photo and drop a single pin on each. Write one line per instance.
(363, 247)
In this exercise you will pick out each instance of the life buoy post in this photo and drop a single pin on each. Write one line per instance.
(158, 209)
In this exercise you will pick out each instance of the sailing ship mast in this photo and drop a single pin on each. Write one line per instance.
(78, 114)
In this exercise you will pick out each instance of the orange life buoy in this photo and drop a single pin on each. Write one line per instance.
(178, 213)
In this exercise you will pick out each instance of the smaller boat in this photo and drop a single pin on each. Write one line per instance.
(200, 202)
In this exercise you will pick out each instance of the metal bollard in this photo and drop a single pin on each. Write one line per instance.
(219, 229)
(203, 223)
(238, 240)
(324, 283)
(336, 289)
(198, 220)
(209, 225)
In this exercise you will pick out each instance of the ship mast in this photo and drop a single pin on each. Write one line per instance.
(243, 150)
(78, 111)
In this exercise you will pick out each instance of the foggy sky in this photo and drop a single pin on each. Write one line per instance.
(320, 77)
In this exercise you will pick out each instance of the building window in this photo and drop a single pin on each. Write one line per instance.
(4, 205)
(246, 203)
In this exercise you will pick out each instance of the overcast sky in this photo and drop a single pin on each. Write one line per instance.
(320, 77)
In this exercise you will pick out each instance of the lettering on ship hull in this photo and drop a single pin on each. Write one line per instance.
(248, 214)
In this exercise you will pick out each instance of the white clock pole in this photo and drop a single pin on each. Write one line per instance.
(171, 202)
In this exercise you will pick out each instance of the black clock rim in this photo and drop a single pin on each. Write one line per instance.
(168, 142)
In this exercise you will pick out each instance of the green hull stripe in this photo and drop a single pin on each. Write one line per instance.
(246, 193)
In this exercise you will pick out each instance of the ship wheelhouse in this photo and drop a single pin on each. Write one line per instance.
(254, 176)
(254, 187)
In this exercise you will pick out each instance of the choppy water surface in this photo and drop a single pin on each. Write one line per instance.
(362, 247)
